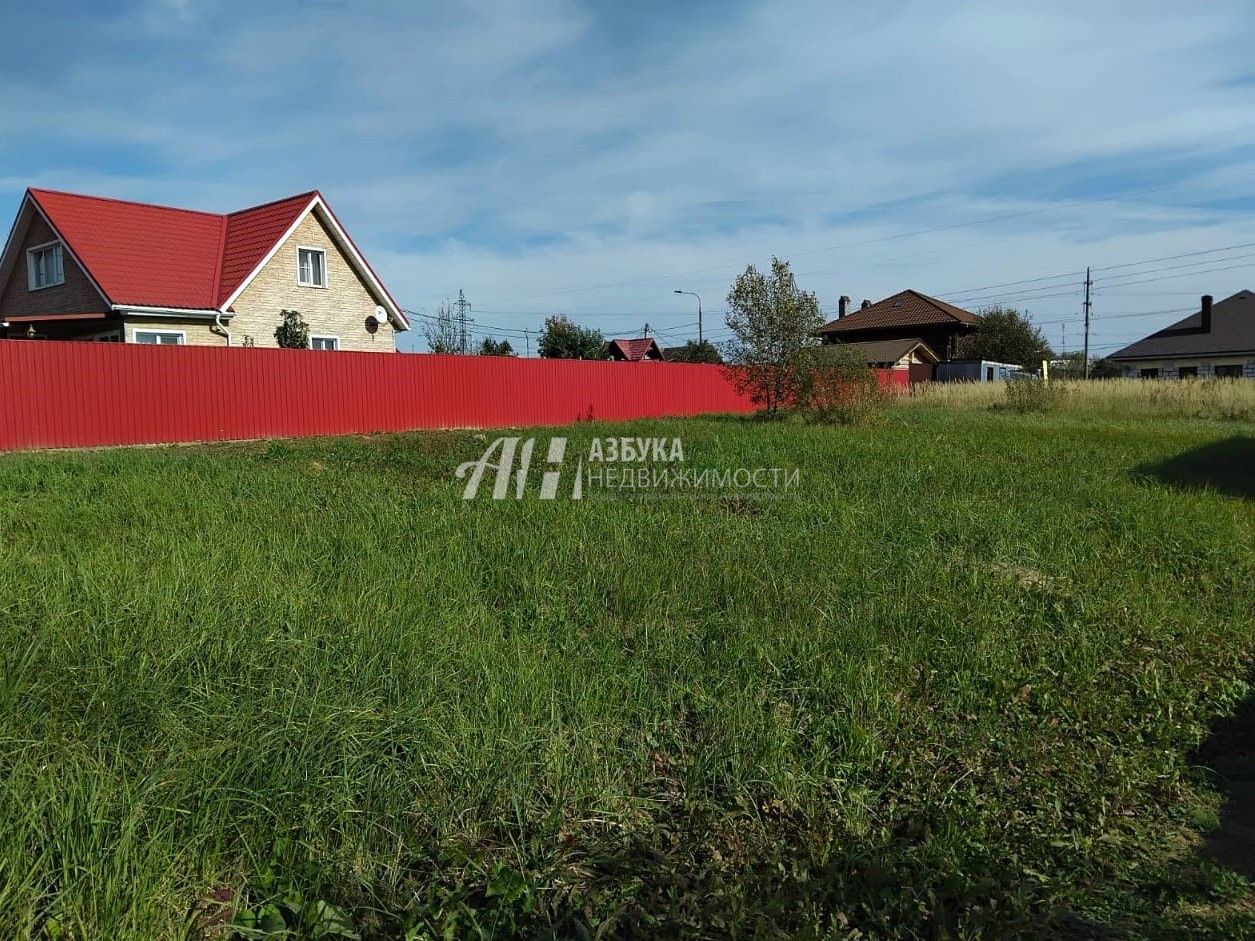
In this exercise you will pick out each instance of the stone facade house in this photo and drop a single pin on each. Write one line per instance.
(1218, 341)
(89, 268)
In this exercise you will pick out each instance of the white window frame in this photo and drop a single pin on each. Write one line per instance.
(30, 265)
(324, 336)
(320, 251)
(158, 331)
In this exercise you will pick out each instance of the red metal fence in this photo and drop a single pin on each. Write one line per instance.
(64, 395)
(88, 394)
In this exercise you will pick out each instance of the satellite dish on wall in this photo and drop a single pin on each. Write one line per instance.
(375, 320)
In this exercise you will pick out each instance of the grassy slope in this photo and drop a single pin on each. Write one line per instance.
(950, 684)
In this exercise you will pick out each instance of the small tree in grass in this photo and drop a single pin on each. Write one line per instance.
(772, 321)
(293, 332)
(836, 386)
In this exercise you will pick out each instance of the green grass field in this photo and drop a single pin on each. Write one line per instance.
(948, 687)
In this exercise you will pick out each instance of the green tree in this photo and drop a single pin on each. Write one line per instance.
(293, 332)
(563, 339)
(441, 332)
(695, 351)
(1074, 368)
(1004, 335)
(772, 321)
(491, 347)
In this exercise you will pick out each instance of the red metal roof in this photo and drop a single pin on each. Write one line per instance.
(904, 309)
(637, 349)
(159, 256)
(140, 254)
(250, 234)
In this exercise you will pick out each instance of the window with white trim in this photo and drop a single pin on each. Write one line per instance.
(311, 267)
(324, 343)
(160, 337)
(45, 266)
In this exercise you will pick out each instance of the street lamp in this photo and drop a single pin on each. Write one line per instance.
(699, 312)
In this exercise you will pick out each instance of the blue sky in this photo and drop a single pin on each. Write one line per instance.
(588, 158)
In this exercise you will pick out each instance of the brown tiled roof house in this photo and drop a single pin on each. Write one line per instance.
(907, 315)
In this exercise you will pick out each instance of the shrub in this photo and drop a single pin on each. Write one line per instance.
(293, 332)
(835, 386)
(1032, 395)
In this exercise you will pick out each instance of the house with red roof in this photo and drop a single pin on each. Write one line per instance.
(639, 350)
(90, 268)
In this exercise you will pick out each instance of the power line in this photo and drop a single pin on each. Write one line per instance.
(1119, 278)
(1004, 284)
(1209, 251)
(1129, 264)
(1186, 274)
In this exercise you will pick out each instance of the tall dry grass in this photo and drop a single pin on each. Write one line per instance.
(1219, 399)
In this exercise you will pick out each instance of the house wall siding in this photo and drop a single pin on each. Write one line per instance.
(76, 296)
(199, 332)
(1170, 368)
(340, 309)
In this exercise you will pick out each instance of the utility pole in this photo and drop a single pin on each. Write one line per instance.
(646, 331)
(1065, 340)
(527, 338)
(1089, 283)
(462, 305)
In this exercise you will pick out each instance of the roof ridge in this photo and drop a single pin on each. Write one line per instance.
(274, 202)
(125, 202)
(309, 194)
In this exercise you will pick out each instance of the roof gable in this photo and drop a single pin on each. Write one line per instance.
(1232, 331)
(76, 295)
(637, 349)
(907, 308)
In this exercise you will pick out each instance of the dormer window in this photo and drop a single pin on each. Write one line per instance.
(311, 267)
(45, 267)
